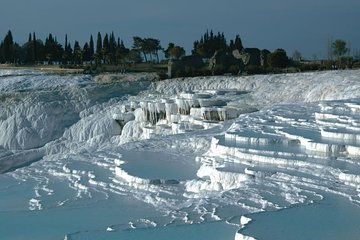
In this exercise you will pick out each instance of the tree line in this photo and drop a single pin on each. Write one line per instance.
(106, 50)
(111, 50)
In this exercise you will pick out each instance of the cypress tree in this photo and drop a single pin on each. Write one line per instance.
(49, 49)
(30, 51)
(99, 43)
(1, 52)
(8, 47)
(112, 47)
(66, 41)
(98, 56)
(69, 53)
(209, 43)
(35, 48)
(91, 48)
(65, 57)
(77, 53)
(238, 43)
(86, 53)
(29, 39)
(106, 49)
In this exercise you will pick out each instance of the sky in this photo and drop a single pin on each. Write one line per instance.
(302, 25)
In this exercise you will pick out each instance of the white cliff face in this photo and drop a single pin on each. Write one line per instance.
(100, 127)
(31, 121)
(245, 144)
(37, 109)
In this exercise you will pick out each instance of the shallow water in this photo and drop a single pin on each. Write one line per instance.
(332, 218)
(159, 165)
(208, 231)
(58, 222)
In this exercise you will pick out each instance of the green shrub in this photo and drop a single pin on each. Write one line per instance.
(356, 65)
(254, 70)
(234, 69)
(162, 75)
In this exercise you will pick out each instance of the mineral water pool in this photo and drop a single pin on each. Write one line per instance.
(333, 218)
(208, 231)
(153, 165)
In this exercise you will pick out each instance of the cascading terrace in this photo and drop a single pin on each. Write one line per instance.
(185, 112)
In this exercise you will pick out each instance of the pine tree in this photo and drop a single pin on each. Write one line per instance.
(139, 45)
(174, 52)
(152, 47)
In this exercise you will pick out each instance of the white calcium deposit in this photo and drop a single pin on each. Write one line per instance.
(238, 145)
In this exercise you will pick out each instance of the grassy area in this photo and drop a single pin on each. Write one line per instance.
(94, 69)
(45, 68)
(137, 67)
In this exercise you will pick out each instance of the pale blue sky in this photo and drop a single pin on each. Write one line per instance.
(305, 25)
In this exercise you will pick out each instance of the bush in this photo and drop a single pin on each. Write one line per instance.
(356, 65)
(310, 67)
(205, 72)
(179, 73)
(162, 75)
(278, 59)
(219, 69)
(251, 69)
(273, 70)
(345, 62)
(234, 69)
(329, 65)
